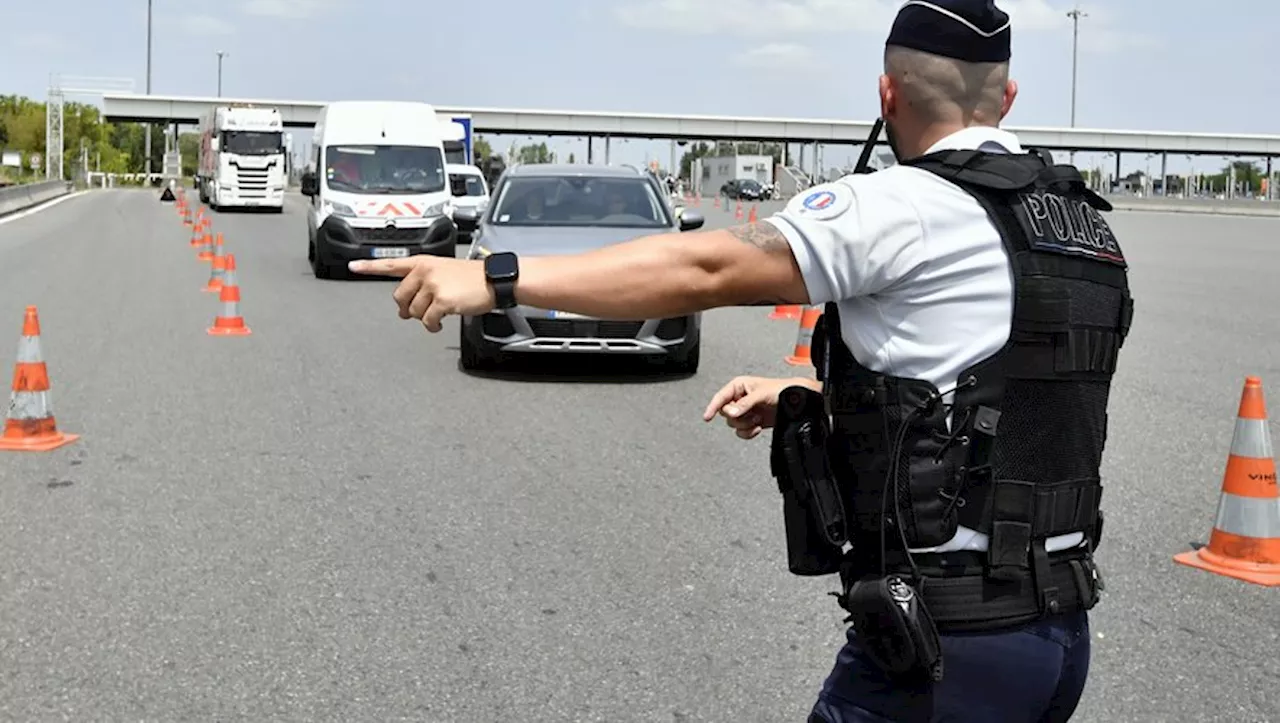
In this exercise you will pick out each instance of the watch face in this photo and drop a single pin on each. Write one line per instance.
(501, 266)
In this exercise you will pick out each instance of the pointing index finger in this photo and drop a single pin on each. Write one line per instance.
(383, 267)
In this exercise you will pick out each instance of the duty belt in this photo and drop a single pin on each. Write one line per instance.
(961, 598)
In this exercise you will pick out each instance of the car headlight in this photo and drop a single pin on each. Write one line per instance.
(339, 209)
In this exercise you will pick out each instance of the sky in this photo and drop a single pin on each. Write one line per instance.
(1143, 64)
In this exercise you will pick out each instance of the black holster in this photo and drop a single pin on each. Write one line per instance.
(812, 509)
(893, 627)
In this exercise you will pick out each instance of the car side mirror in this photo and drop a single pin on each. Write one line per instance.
(691, 220)
(310, 185)
(466, 218)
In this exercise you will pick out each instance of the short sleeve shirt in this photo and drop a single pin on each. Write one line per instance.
(918, 271)
(920, 275)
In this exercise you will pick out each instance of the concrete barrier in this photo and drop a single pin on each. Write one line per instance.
(16, 198)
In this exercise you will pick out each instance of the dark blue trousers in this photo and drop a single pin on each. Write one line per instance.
(1030, 674)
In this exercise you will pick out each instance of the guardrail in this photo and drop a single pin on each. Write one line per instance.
(16, 198)
(1209, 206)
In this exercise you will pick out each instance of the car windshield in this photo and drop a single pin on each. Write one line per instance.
(750, 185)
(579, 201)
(253, 143)
(467, 184)
(384, 169)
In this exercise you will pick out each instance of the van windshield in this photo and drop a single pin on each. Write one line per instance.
(384, 169)
(467, 184)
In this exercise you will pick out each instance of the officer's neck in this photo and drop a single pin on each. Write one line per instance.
(936, 132)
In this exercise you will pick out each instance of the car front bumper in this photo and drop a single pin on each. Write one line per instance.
(525, 330)
(338, 242)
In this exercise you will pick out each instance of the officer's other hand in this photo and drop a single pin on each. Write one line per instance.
(749, 405)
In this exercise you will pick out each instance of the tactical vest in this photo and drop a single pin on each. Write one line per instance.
(1015, 454)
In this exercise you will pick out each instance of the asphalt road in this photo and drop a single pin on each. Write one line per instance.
(327, 520)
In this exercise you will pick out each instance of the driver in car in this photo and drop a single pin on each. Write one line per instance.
(617, 204)
(534, 208)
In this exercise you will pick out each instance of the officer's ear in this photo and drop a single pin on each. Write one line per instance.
(1010, 94)
(888, 97)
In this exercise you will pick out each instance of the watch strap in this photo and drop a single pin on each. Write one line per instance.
(504, 293)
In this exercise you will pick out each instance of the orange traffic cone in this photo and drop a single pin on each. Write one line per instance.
(787, 312)
(30, 426)
(207, 245)
(229, 322)
(737, 213)
(1245, 541)
(804, 340)
(753, 216)
(197, 232)
(217, 270)
(717, 203)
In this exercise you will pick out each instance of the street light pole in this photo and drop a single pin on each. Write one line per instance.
(221, 54)
(1075, 16)
(147, 140)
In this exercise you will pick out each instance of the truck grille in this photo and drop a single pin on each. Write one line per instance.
(252, 182)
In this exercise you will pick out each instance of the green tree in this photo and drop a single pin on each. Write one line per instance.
(572, 158)
(115, 148)
(694, 152)
(480, 148)
(535, 154)
(189, 147)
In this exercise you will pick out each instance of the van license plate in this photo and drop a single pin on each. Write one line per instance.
(391, 252)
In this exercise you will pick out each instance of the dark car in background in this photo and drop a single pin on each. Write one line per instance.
(544, 209)
(743, 189)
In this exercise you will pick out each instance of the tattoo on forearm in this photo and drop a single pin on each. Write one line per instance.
(764, 236)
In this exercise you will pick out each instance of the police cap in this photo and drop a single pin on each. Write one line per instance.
(975, 31)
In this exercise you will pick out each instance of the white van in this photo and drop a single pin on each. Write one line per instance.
(377, 185)
(469, 191)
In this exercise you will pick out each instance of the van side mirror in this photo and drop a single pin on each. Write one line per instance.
(214, 144)
(466, 218)
(310, 184)
(458, 186)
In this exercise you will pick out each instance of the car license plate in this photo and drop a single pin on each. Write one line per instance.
(390, 252)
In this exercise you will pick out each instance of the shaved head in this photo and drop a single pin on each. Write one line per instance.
(941, 90)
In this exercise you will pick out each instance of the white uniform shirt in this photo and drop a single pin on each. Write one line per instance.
(921, 278)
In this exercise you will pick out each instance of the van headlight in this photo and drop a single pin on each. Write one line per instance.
(341, 210)
(437, 209)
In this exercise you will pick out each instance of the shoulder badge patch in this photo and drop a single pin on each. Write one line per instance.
(825, 202)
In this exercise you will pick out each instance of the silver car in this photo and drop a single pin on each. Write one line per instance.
(544, 209)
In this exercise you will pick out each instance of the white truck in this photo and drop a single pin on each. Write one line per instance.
(242, 158)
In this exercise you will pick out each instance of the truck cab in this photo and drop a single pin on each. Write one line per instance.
(377, 185)
(242, 158)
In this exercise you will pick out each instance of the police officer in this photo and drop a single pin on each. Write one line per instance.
(975, 303)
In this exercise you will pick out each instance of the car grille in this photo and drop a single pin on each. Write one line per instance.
(584, 329)
(389, 235)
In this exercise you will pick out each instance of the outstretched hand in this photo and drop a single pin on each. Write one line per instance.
(433, 287)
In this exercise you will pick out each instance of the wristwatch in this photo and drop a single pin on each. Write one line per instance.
(502, 270)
